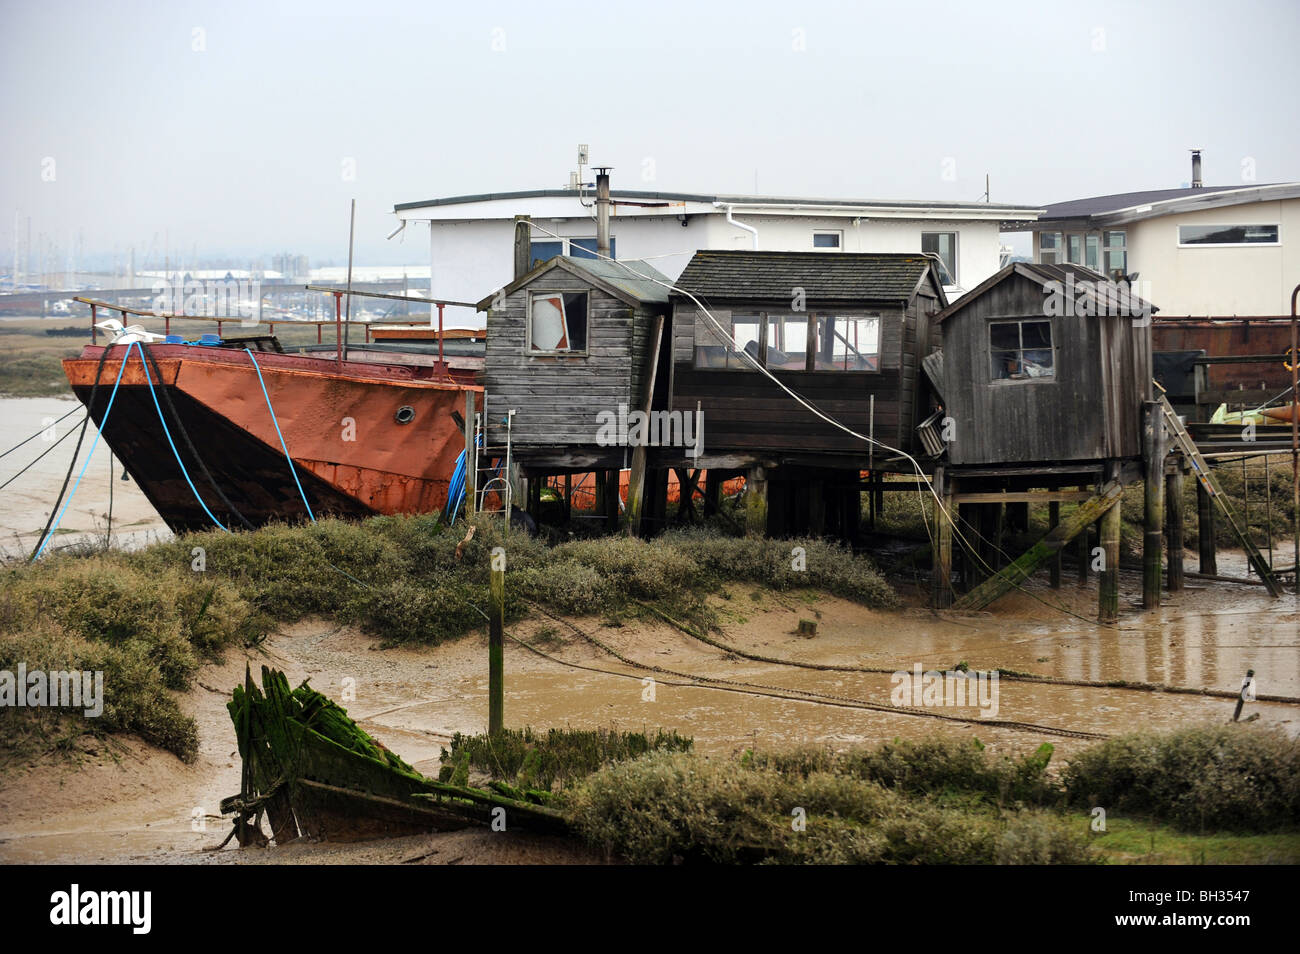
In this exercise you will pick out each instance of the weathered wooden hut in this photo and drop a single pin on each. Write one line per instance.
(845, 331)
(1045, 364)
(569, 344)
(1045, 378)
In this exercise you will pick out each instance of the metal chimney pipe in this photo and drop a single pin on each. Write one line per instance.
(1196, 169)
(602, 212)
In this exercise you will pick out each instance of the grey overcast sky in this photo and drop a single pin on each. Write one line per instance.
(228, 126)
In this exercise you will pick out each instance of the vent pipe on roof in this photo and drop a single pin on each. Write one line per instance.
(602, 212)
(1196, 169)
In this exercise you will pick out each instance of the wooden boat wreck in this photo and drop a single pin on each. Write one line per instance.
(315, 774)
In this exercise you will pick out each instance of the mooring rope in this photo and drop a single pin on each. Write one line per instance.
(50, 528)
(28, 440)
(293, 470)
(68, 434)
(1004, 674)
(785, 692)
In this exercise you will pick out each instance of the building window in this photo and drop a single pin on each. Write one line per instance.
(848, 343)
(787, 342)
(828, 240)
(943, 244)
(1116, 255)
(1092, 252)
(1021, 350)
(1074, 250)
(1049, 248)
(577, 247)
(557, 322)
(545, 251)
(1227, 235)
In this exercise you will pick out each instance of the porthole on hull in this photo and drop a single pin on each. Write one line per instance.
(405, 414)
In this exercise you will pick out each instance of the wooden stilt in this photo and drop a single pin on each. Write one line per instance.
(1205, 530)
(756, 501)
(816, 507)
(1083, 552)
(611, 499)
(496, 644)
(1054, 565)
(1174, 528)
(1153, 453)
(942, 582)
(712, 492)
(1108, 586)
(568, 498)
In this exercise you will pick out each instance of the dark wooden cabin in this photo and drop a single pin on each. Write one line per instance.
(846, 331)
(565, 342)
(1044, 364)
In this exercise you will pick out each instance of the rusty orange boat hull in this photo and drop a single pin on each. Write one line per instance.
(354, 454)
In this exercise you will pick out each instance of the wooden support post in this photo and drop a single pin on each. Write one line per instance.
(1153, 537)
(756, 502)
(942, 583)
(1017, 519)
(816, 507)
(523, 251)
(496, 643)
(471, 462)
(1054, 565)
(1205, 530)
(1083, 553)
(1106, 501)
(611, 499)
(1174, 528)
(601, 477)
(968, 522)
(568, 498)
(712, 492)
(1108, 586)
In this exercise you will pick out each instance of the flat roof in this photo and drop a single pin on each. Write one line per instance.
(726, 199)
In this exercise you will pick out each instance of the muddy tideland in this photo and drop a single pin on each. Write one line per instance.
(126, 802)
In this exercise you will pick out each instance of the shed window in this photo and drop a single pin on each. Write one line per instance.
(828, 239)
(1093, 254)
(848, 343)
(557, 321)
(1227, 235)
(943, 244)
(787, 342)
(1021, 350)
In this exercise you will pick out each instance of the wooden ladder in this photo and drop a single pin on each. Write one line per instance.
(1203, 474)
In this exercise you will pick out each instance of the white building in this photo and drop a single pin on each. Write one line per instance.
(471, 237)
(1205, 251)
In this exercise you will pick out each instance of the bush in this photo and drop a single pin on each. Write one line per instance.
(1228, 777)
(675, 807)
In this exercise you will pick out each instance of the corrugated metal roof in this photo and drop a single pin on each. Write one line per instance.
(824, 276)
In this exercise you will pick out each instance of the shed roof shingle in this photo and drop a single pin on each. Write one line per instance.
(823, 276)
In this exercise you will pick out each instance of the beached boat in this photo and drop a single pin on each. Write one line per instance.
(315, 774)
(370, 436)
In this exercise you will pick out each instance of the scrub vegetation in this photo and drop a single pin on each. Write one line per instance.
(149, 618)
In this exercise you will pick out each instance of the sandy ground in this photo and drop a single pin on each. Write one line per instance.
(131, 803)
(25, 504)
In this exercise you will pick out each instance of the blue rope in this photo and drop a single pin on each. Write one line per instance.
(166, 431)
(293, 470)
(93, 444)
